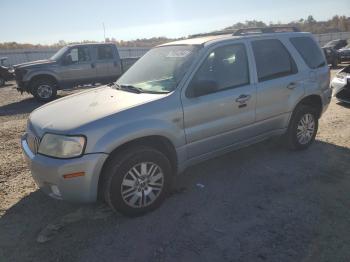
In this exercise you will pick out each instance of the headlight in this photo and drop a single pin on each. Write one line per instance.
(61, 146)
(11, 70)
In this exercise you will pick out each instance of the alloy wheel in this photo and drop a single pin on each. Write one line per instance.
(142, 184)
(306, 129)
(44, 91)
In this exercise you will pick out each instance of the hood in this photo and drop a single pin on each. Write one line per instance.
(37, 63)
(66, 114)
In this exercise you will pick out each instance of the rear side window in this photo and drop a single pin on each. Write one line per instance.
(309, 51)
(272, 59)
(104, 52)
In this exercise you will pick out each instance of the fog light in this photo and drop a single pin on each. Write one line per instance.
(55, 190)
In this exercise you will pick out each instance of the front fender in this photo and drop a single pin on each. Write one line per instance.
(31, 74)
(120, 135)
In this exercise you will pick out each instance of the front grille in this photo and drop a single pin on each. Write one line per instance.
(33, 140)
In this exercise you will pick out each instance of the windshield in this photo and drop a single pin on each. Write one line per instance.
(59, 53)
(160, 69)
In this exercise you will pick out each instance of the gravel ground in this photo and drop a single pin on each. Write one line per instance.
(261, 203)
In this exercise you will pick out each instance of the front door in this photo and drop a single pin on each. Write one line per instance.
(219, 102)
(77, 67)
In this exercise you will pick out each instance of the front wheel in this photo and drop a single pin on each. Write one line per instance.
(302, 128)
(137, 180)
(44, 90)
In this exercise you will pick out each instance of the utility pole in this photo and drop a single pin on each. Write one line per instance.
(104, 32)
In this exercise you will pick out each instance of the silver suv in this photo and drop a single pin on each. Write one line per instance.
(181, 103)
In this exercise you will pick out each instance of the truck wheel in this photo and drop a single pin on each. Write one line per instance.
(302, 127)
(137, 180)
(44, 90)
(2, 81)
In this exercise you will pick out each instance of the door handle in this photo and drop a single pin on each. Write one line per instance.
(292, 85)
(243, 98)
(92, 65)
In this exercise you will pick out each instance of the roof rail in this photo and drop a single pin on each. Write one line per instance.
(265, 30)
(222, 32)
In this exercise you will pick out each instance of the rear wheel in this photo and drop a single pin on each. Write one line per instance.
(44, 89)
(137, 180)
(302, 127)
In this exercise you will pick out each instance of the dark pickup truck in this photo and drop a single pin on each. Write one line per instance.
(71, 66)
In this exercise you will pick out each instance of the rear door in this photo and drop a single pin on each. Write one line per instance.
(279, 85)
(77, 67)
(218, 115)
(107, 63)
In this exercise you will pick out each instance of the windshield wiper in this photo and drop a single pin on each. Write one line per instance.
(129, 88)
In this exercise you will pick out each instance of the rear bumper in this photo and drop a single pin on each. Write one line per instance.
(48, 174)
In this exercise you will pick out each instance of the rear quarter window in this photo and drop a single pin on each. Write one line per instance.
(309, 51)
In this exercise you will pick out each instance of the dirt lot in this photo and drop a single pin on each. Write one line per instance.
(262, 203)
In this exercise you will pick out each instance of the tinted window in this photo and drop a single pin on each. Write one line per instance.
(104, 52)
(272, 59)
(226, 67)
(78, 54)
(309, 51)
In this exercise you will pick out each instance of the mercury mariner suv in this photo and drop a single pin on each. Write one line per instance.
(181, 103)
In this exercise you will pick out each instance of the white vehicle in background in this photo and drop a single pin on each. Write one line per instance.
(341, 85)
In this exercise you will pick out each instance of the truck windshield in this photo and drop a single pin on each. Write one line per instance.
(58, 54)
(160, 69)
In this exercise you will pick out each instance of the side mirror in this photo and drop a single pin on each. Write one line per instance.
(202, 87)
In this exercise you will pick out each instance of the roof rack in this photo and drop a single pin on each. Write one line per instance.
(222, 32)
(265, 30)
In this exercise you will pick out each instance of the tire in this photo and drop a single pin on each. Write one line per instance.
(2, 81)
(134, 195)
(300, 135)
(44, 89)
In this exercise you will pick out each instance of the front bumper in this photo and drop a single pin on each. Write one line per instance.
(341, 89)
(22, 86)
(48, 174)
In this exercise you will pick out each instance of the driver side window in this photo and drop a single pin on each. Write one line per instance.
(77, 55)
(224, 68)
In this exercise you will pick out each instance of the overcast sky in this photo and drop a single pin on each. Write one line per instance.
(47, 21)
